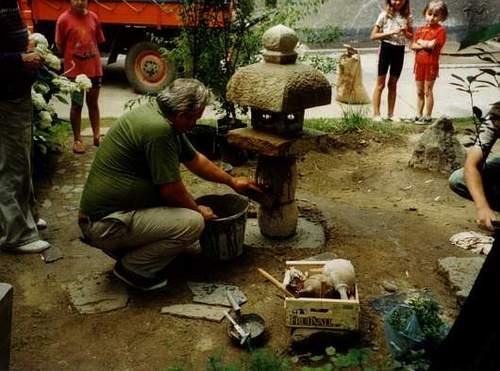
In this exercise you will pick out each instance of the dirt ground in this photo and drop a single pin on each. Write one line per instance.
(391, 221)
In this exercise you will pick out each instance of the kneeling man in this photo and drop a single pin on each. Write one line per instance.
(134, 205)
(479, 179)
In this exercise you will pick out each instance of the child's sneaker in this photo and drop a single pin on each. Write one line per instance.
(137, 281)
(423, 121)
(377, 119)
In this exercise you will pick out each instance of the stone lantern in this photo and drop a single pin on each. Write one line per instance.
(278, 90)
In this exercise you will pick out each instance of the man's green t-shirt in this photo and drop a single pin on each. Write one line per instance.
(141, 151)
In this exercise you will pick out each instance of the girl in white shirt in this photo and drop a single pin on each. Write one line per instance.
(393, 28)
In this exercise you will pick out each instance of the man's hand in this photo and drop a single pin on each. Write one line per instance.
(243, 184)
(207, 212)
(485, 216)
(33, 61)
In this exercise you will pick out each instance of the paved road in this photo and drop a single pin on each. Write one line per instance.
(448, 101)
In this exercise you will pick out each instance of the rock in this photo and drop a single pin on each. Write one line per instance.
(6, 295)
(279, 88)
(309, 235)
(438, 149)
(279, 45)
(389, 286)
(52, 254)
(97, 293)
(215, 293)
(46, 204)
(460, 274)
(199, 311)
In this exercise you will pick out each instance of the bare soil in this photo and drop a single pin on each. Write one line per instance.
(391, 221)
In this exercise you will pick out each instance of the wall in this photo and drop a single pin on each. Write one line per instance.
(358, 17)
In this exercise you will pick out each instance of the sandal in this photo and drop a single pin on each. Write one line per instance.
(98, 140)
(78, 147)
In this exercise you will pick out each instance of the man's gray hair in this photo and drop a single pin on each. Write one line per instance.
(183, 95)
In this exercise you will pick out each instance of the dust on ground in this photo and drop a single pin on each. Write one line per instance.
(391, 221)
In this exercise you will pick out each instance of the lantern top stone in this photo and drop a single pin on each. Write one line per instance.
(279, 45)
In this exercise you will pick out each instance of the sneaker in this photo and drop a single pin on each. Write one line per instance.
(137, 281)
(377, 119)
(32, 247)
(388, 119)
(423, 121)
(41, 224)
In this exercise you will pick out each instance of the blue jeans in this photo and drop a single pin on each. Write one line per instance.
(491, 182)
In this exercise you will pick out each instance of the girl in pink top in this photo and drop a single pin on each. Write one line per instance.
(78, 32)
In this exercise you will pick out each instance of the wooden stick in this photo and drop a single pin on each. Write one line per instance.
(275, 282)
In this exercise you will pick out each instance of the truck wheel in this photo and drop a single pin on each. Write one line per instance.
(145, 68)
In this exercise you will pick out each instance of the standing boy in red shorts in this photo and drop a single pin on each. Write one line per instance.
(428, 41)
(78, 32)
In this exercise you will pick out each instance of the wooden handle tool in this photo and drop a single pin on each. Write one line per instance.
(275, 282)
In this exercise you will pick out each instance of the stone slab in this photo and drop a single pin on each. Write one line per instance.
(197, 311)
(52, 254)
(6, 295)
(461, 274)
(97, 293)
(309, 236)
(269, 144)
(215, 293)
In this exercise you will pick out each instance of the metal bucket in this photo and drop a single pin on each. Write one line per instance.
(223, 237)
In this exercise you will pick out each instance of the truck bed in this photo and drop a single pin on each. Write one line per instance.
(156, 13)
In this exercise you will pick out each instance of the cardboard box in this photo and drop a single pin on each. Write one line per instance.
(322, 313)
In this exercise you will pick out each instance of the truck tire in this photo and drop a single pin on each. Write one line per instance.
(145, 68)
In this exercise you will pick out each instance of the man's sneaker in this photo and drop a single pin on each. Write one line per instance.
(41, 224)
(377, 119)
(137, 281)
(32, 247)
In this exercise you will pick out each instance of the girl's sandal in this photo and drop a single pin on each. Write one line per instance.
(78, 147)
(98, 140)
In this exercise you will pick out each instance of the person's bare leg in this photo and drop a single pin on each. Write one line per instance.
(420, 98)
(76, 121)
(391, 95)
(377, 94)
(429, 98)
(94, 114)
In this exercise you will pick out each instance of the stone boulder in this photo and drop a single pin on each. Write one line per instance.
(438, 149)
(279, 88)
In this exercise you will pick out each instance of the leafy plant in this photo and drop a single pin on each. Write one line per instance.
(486, 77)
(47, 137)
(319, 36)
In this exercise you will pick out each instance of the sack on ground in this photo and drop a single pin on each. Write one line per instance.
(349, 82)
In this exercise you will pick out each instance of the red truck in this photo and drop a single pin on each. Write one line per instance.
(127, 26)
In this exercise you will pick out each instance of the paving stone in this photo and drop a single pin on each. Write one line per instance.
(52, 254)
(199, 311)
(461, 274)
(309, 236)
(97, 293)
(6, 294)
(215, 293)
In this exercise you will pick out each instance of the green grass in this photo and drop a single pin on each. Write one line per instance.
(351, 122)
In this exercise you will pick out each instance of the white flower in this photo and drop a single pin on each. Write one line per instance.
(52, 61)
(45, 119)
(83, 82)
(65, 85)
(41, 87)
(38, 102)
(38, 39)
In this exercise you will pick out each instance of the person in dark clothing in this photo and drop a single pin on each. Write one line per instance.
(18, 229)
